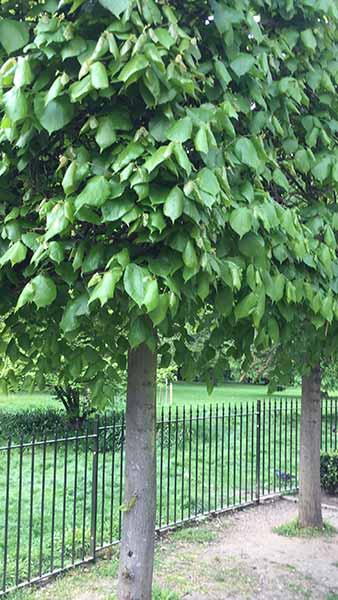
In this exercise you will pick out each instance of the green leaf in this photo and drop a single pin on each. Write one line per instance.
(246, 306)
(106, 134)
(180, 131)
(159, 156)
(115, 209)
(222, 73)
(241, 220)
(15, 254)
(201, 140)
(105, 289)
(25, 296)
(115, 6)
(151, 294)
(173, 206)
(189, 255)
(95, 193)
(208, 182)
(14, 34)
(74, 309)
(224, 301)
(16, 104)
(308, 39)
(23, 73)
(242, 64)
(139, 332)
(134, 68)
(134, 282)
(246, 153)
(280, 179)
(130, 153)
(160, 313)
(322, 169)
(56, 221)
(44, 291)
(99, 76)
(55, 115)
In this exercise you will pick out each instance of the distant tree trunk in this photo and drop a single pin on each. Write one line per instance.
(138, 532)
(310, 510)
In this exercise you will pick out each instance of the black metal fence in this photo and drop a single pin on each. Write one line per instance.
(60, 498)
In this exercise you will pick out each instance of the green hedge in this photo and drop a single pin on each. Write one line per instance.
(329, 471)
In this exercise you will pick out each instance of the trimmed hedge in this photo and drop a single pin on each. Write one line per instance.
(329, 471)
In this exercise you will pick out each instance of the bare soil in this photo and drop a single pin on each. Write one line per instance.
(250, 561)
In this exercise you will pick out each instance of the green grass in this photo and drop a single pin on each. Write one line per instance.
(293, 529)
(194, 535)
(183, 394)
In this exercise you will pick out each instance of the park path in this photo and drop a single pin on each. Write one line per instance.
(249, 561)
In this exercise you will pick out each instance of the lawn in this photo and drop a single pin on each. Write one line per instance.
(183, 394)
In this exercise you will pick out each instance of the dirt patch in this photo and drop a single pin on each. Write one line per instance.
(250, 561)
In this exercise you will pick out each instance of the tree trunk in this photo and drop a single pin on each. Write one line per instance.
(310, 510)
(139, 509)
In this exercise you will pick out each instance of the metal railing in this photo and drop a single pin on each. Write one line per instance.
(60, 496)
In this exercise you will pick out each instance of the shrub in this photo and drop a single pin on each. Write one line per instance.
(40, 422)
(329, 471)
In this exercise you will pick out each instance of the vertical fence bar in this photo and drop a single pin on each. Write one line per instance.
(161, 466)
(31, 509)
(42, 511)
(263, 450)
(280, 442)
(103, 481)
(216, 455)
(175, 464)
(222, 460)
(335, 423)
(203, 456)
(228, 457)
(325, 404)
(240, 450)
(121, 472)
(296, 445)
(253, 411)
(291, 442)
(258, 450)
(246, 449)
(274, 443)
(234, 456)
(269, 446)
(183, 464)
(64, 503)
(190, 460)
(75, 494)
(196, 462)
(112, 480)
(286, 442)
(84, 514)
(94, 489)
(6, 516)
(18, 530)
(209, 457)
(53, 501)
(168, 466)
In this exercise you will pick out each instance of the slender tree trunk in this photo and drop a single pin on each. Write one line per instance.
(138, 531)
(310, 510)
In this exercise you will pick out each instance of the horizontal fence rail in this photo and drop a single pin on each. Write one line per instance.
(60, 496)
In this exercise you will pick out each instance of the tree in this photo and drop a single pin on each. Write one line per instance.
(143, 198)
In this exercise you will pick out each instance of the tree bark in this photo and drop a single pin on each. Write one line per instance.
(310, 510)
(139, 509)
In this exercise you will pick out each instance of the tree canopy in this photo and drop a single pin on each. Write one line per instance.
(161, 163)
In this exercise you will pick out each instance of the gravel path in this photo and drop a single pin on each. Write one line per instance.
(248, 561)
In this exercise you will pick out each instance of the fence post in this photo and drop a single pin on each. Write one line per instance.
(258, 451)
(94, 489)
